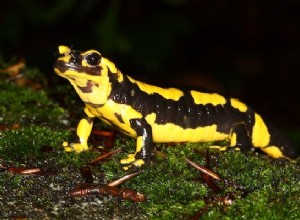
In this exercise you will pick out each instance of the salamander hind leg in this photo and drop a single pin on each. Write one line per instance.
(279, 146)
(144, 144)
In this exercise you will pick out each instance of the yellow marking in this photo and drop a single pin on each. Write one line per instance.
(233, 140)
(105, 64)
(77, 147)
(110, 108)
(100, 91)
(126, 112)
(206, 98)
(66, 53)
(130, 158)
(273, 151)
(139, 144)
(131, 155)
(238, 105)
(139, 162)
(84, 129)
(69, 149)
(88, 113)
(64, 50)
(173, 133)
(90, 51)
(101, 87)
(260, 134)
(132, 161)
(112, 67)
(220, 148)
(167, 93)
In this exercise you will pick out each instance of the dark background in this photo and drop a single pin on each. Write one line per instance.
(246, 49)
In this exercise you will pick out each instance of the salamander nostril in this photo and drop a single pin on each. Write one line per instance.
(93, 59)
(75, 57)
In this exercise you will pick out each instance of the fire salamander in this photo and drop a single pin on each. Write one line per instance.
(153, 114)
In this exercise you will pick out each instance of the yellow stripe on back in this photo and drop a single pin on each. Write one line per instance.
(238, 105)
(167, 93)
(208, 98)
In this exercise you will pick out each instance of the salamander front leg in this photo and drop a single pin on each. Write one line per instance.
(84, 129)
(144, 144)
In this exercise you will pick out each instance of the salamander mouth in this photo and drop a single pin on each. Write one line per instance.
(63, 67)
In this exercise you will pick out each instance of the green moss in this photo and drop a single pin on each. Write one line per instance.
(25, 146)
(271, 187)
(169, 184)
(18, 145)
(261, 187)
(24, 106)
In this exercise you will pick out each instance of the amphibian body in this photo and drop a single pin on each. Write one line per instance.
(153, 114)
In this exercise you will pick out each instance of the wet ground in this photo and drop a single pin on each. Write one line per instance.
(47, 196)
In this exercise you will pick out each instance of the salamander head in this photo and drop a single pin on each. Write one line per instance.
(89, 72)
(88, 64)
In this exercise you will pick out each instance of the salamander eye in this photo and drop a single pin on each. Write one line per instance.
(93, 59)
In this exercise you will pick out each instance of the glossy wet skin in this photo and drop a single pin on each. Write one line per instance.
(153, 114)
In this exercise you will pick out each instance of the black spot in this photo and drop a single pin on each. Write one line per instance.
(88, 88)
(113, 77)
(119, 117)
